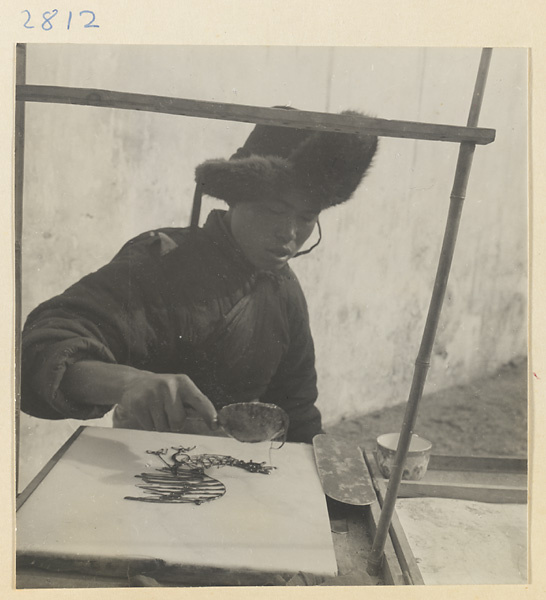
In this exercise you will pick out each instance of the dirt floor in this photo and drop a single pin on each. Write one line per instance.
(486, 417)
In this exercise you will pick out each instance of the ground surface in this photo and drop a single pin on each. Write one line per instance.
(486, 417)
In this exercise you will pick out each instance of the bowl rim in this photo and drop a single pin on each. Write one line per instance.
(243, 435)
(389, 442)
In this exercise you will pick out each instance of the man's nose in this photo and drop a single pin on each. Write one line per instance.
(286, 229)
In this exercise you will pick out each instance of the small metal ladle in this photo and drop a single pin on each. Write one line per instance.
(254, 422)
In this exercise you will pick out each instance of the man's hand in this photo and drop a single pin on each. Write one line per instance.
(160, 402)
(156, 401)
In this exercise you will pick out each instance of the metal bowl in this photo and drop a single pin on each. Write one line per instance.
(254, 422)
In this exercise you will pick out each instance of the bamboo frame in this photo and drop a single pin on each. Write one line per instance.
(422, 363)
(397, 537)
(468, 137)
(196, 206)
(301, 119)
(20, 78)
(251, 114)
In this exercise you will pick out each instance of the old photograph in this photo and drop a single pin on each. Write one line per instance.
(271, 315)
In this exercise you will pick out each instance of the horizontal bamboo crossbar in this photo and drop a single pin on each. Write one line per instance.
(254, 114)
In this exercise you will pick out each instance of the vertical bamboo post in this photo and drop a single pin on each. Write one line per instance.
(462, 173)
(20, 78)
(196, 206)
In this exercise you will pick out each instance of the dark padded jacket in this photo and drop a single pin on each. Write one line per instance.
(179, 301)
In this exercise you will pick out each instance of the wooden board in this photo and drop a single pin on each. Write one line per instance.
(500, 480)
(397, 537)
(264, 523)
(481, 464)
(391, 565)
(465, 491)
(464, 522)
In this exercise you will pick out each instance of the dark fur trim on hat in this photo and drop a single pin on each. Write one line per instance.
(325, 166)
(243, 179)
(331, 165)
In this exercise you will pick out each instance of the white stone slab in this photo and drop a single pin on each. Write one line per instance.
(462, 542)
(275, 523)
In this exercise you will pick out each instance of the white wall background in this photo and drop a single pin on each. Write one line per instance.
(95, 177)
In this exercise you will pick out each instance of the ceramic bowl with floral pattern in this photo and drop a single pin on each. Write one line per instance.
(416, 461)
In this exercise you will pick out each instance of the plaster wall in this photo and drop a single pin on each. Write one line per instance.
(95, 177)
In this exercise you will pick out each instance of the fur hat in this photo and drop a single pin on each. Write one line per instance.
(325, 166)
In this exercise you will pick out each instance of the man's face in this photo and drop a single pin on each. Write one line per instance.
(270, 233)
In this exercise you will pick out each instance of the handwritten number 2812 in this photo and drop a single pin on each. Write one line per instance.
(46, 24)
(47, 19)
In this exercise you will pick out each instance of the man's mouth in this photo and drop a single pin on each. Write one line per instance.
(282, 252)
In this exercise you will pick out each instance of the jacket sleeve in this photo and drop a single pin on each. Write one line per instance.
(104, 317)
(294, 385)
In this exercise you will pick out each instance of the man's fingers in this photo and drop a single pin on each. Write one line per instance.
(159, 417)
(191, 395)
(204, 407)
(162, 405)
(145, 419)
(176, 414)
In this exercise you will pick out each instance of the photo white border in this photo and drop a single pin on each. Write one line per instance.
(446, 23)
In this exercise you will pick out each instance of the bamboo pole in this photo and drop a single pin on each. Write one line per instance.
(20, 77)
(196, 206)
(462, 173)
(301, 119)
